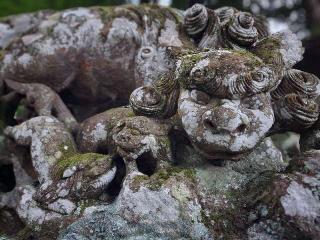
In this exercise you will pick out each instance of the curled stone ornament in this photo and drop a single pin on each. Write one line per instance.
(242, 29)
(158, 101)
(298, 82)
(296, 112)
(295, 101)
(196, 20)
(225, 14)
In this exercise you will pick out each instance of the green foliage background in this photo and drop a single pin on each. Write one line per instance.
(9, 7)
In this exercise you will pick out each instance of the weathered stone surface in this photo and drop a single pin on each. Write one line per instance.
(175, 202)
(288, 203)
(164, 206)
(189, 158)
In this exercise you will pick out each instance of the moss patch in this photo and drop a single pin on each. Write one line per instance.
(83, 204)
(74, 159)
(157, 180)
(188, 61)
(228, 222)
(268, 50)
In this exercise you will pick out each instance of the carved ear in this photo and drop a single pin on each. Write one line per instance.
(146, 101)
(280, 48)
(295, 101)
(196, 20)
(202, 24)
(294, 113)
(295, 81)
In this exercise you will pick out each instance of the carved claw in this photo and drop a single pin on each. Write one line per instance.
(45, 101)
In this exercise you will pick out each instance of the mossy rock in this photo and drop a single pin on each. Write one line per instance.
(76, 159)
(156, 181)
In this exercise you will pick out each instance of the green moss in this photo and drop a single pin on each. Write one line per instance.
(105, 12)
(226, 224)
(134, 132)
(74, 159)
(188, 61)
(2, 54)
(136, 13)
(157, 180)
(195, 57)
(67, 149)
(268, 50)
(21, 112)
(190, 174)
(205, 219)
(83, 204)
(228, 219)
(136, 182)
(165, 144)
(131, 114)
(158, 13)
(254, 61)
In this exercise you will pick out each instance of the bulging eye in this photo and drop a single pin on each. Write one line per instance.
(198, 75)
(200, 97)
(146, 52)
(261, 76)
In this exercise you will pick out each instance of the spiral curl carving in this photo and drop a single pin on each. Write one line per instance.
(158, 100)
(196, 19)
(298, 82)
(242, 29)
(296, 112)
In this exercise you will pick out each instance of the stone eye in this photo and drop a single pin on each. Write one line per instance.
(198, 74)
(146, 52)
(200, 97)
(260, 76)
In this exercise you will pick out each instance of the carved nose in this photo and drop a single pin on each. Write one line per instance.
(227, 119)
(209, 121)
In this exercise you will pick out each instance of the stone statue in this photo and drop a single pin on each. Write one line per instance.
(190, 156)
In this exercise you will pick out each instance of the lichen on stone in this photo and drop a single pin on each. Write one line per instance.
(147, 122)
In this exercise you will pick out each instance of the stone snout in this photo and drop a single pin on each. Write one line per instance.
(223, 118)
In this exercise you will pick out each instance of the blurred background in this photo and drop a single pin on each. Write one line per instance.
(301, 16)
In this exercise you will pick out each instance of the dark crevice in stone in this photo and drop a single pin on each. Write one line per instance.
(103, 149)
(10, 223)
(113, 189)
(179, 142)
(146, 163)
(7, 178)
